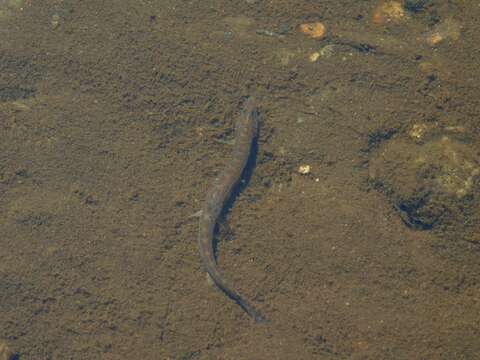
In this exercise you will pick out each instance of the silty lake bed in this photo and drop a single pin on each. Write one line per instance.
(356, 233)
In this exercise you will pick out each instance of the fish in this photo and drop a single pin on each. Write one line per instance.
(246, 130)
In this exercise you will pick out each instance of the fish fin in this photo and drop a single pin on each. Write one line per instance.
(226, 142)
(197, 214)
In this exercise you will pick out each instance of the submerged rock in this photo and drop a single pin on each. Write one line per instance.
(431, 183)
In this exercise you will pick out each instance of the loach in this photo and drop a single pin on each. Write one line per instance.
(245, 132)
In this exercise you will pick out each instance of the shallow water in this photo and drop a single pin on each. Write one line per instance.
(110, 116)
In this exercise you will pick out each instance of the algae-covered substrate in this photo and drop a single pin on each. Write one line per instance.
(355, 230)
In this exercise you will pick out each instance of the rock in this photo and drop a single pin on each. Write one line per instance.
(315, 30)
(431, 183)
(304, 169)
(55, 21)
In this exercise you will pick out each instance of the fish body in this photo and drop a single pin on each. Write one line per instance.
(246, 129)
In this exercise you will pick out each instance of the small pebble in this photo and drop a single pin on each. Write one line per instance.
(315, 30)
(55, 21)
(418, 131)
(314, 56)
(304, 169)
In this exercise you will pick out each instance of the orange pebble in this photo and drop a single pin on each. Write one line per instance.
(314, 30)
(434, 38)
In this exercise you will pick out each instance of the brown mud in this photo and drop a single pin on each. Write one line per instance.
(110, 116)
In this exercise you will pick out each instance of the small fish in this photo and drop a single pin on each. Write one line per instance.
(246, 130)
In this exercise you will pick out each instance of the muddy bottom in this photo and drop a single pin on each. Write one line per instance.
(115, 118)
